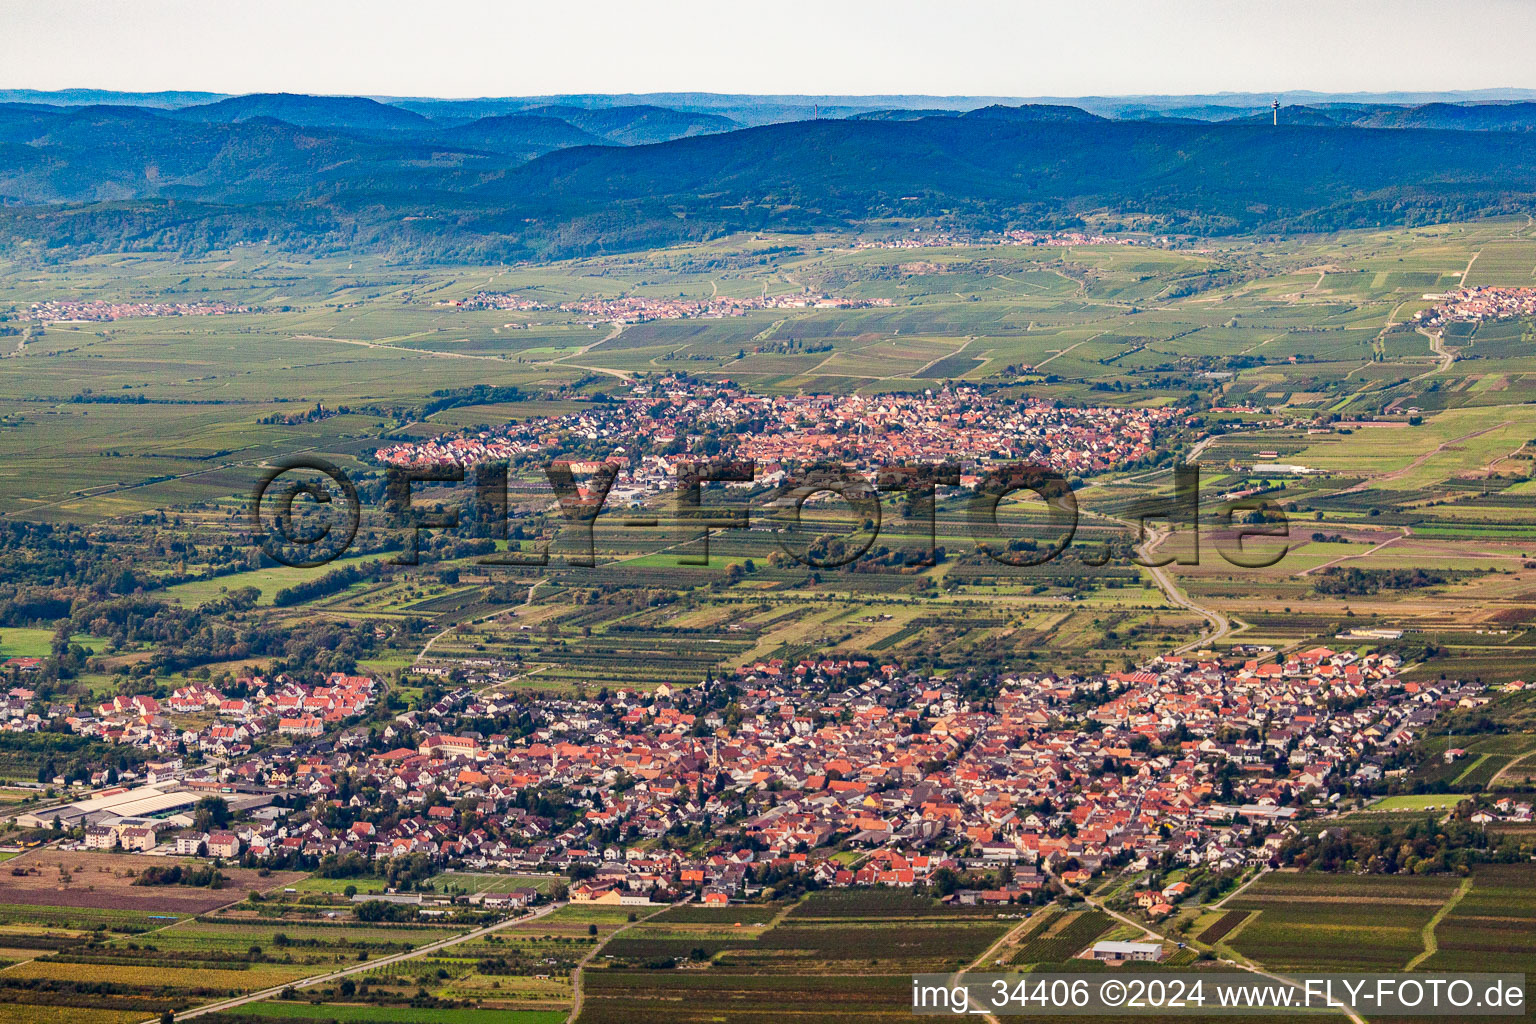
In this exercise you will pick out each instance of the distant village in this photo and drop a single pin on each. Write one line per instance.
(656, 422)
(636, 309)
(950, 240)
(63, 311)
(1472, 305)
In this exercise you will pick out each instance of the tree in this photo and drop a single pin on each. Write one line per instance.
(347, 988)
(210, 813)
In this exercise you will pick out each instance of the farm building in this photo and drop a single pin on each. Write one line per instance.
(1150, 952)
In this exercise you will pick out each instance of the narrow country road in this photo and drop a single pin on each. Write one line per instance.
(975, 965)
(614, 332)
(319, 979)
(427, 647)
(1257, 875)
(576, 974)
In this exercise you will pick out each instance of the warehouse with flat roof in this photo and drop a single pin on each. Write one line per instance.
(142, 802)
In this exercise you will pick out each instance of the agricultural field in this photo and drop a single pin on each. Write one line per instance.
(1490, 927)
(829, 956)
(105, 881)
(1385, 923)
(1416, 802)
(1062, 937)
(1223, 926)
(147, 962)
(469, 882)
(1338, 922)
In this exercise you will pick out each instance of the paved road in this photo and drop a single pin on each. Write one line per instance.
(1406, 532)
(1220, 624)
(618, 328)
(1354, 1017)
(1200, 447)
(1437, 346)
(319, 979)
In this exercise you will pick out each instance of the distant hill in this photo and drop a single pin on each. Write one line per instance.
(637, 125)
(1473, 117)
(1192, 112)
(749, 110)
(464, 192)
(1222, 106)
(1477, 117)
(101, 97)
(901, 115)
(753, 110)
(354, 112)
(743, 108)
(1295, 115)
(105, 153)
(524, 136)
(1176, 177)
(1032, 112)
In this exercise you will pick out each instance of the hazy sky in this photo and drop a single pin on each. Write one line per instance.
(977, 47)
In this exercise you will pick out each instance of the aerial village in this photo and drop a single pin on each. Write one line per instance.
(658, 422)
(635, 309)
(68, 311)
(718, 789)
(919, 239)
(1472, 305)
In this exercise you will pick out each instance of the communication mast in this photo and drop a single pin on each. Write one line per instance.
(1276, 106)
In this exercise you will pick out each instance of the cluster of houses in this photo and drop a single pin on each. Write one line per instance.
(865, 432)
(841, 769)
(155, 816)
(634, 309)
(57, 311)
(200, 717)
(145, 836)
(1505, 808)
(869, 431)
(951, 240)
(1477, 304)
(1183, 761)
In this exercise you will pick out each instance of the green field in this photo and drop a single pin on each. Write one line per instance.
(1420, 802)
(1338, 922)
